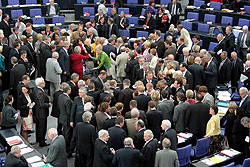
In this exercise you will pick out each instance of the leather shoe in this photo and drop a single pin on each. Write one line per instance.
(43, 144)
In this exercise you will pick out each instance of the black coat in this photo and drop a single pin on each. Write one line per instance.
(246, 106)
(12, 161)
(56, 109)
(198, 74)
(27, 65)
(172, 136)
(127, 157)
(130, 69)
(125, 96)
(74, 90)
(114, 30)
(225, 72)
(211, 75)
(179, 51)
(98, 84)
(247, 81)
(19, 88)
(76, 106)
(16, 74)
(30, 56)
(139, 139)
(13, 53)
(56, 8)
(125, 21)
(6, 29)
(109, 48)
(45, 53)
(102, 155)
(101, 29)
(149, 151)
(41, 109)
(117, 136)
(109, 123)
(116, 18)
(236, 71)
(160, 47)
(197, 116)
(22, 105)
(154, 119)
(65, 105)
(220, 46)
(154, 82)
(190, 79)
(85, 138)
(142, 102)
(95, 95)
(229, 43)
(151, 25)
(105, 94)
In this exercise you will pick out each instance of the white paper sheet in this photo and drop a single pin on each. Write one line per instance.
(38, 164)
(26, 150)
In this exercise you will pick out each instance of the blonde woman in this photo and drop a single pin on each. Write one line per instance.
(155, 96)
(169, 68)
(154, 59)
(72, 27)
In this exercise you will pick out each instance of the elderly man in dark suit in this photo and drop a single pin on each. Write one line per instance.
(229, 40)
(175, 9)
(197, 116)
(224, 69)
(125, 96)
(127, 156)
(57, 152)
(149, 23)
(149, 149)
(236, 70)
(160, 44)
(41, 111)
(211, 73)
(103, 155)
(73, 85)
(14, 158)
(170, 134)
(100, 80)
(142, 100)
(85, 140)
(166, 106)
(138, 138)
(52, 9)
(65, 105)
(245, 101)
(112, 28)
(64, 61)
(5, 26)
(221, 44)
(243, 43)
(44, 54)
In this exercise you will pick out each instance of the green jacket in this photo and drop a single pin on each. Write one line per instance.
(104, 60)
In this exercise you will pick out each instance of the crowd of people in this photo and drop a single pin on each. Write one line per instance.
(117, 101)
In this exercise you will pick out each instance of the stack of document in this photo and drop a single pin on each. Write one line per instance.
(185, 135)
(230, 152)
(224, 96)
(14, 140)
(180, 139)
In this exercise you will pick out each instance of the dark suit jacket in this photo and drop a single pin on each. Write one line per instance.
(130, 70)
(102, 155)
(56, 109)
(13, 53)
(151, 24)
(178, 7)
(95, 95)
(179, 51)
(44, 55)
(97, 18)
(109, 123)
(30, 56)
(26, 64)
(57, 153)
(154, 119)
(116, 18)
(85, 138)
(197, 116)
(117, 136)
(125, 21)
(139, 139)
(114, 30)
(172, 136)
(142, 116)
(16, 74)
(56, 7)
(74, 90)
(158, 68)
(6, 29)
(149, 151)
(76, 106)
(12, 161)
(247, 81)
(170, 50)
(239, 39)
(154, 82)
(229, 43)
(246, 106)
(167, 109)
(22, 105)
(211, 75)
(160, 47)
(142, 102)
(140, 74)
(42, 103)
(225, 72)
(127, 157)
(64, 61)
(65, 105)
(136, 70)
(190, 80)
(198, 74)
(98, 84)
(109, 48)
(105, 94)
(125, 96)
(236, 71)
(220, 46)
(6, 54)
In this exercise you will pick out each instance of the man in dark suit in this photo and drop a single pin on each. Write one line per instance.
(124, 22)
(166, 106)
(246, 72)
(5, 53)
(160, 44)
(73, 85)
(103, 155)
(41, 111)
(5, 26)
(211, 73)
(56, 109)
(44, 55)
(14, 52)
(85, 140)
(117, 134)
(127, 156)
(149, 23)
(169, 49)
(138, 138)
(107, 93)
(170, 134)
(125, 96)
(129, 69)
(150, 79)
(142, 100)
(245, 101)
(93, 93)
(56, 152)
(229, 40)
(236, 70)
(154, 118)
(65, 118)
(33, 51)
(159, 66)
(14, 158)
(132, 105)
(188, 75)
(197, 42)
(115, 16)
(100, 80)
(110, 47)
(197, 116)
(174, 8)
(112, 28)
(16, 74)
(149, 149)
(221, 44)
(180, 46)
(198, 72)
(224, 69)
(64, 61)
(141, 73)
(243, 43)
(136, 69)
(52, 9)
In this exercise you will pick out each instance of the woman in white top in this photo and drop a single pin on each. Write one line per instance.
(154, 59)
(20, 25)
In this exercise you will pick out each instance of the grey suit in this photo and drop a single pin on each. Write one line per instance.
(179, 116)
(12, 39)
(166, 157)
(57, 153)
(167, 108)
(208, 99)
(121, 62)
(53, 71)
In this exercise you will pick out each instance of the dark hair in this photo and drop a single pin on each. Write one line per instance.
(119, 119)
(183, 64)
(140, 123)
(133, 103)
(23, 52)
(179, 81)
(160, 9)
(161, 60)
(199, 97)
(16, 44)
(164, 94)
(86, 77)
(113, 111)
(27, 87)
(150, 2)
(25, 77)
(5, 15)
(180, 96)
(197, 37)
(104, 106)
(215, 108)
(8, 99)
(203, 89)
(54, 35)
(151, 104)
(138, 50)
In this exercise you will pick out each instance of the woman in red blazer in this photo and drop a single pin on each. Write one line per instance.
(76, 60)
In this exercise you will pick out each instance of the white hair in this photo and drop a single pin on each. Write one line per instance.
(87, 107)
(55, 54)
(102, 133)
(149, 133)
(86, 116)
(77, 49)
(167, 123)
(14, 149)
(53, 131)
(128, 141)
(134, 112)
(244, 89)
(186, 49)
(39, 81)
(245, 27)
(98, 47)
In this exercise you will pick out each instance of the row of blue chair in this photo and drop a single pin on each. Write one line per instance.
(19, 12)
(128, 1)
(225, 20)
(55, 19)
(215, 5)
(28, 2)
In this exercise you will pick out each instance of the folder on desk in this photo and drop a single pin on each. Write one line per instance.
(215, 160)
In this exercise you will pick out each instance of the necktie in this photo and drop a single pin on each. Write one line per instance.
(242, 40)
(221, 64)
(173, 9)
(110, 30)
(147, 22)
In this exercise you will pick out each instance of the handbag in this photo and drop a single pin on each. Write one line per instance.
(28, 122)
